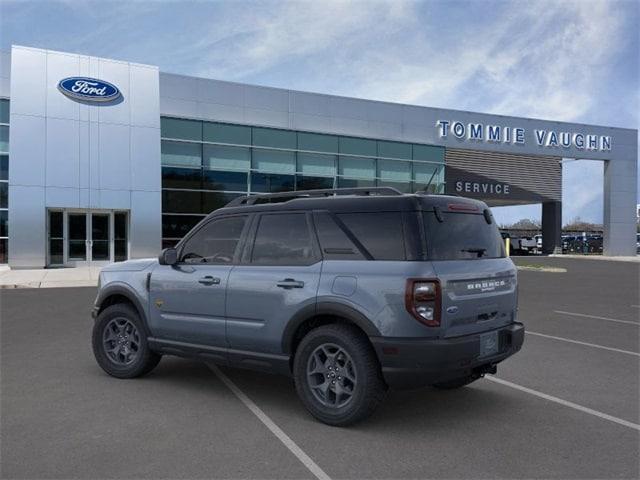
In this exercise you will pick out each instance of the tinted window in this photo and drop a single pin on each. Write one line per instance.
(283, 240)
(216, 242)
(334, 242)
(380, 233)
(182, 178)
(462, 236)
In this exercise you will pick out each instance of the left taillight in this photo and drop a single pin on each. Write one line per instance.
(423, 301)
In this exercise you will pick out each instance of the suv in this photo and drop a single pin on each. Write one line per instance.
(350, 291)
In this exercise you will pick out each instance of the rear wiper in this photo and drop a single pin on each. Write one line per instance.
(479, 251)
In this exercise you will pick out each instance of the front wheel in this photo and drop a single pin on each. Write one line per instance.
(337, 375)
(120, 343)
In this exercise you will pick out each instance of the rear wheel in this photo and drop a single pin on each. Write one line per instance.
(337, 375)
(120, 343)
(456, 382)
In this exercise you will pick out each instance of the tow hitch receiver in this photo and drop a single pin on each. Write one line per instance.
(484, 369)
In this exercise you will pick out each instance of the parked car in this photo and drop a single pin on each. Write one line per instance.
(350, 292)
(538, 248)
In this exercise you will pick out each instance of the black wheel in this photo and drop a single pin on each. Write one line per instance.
(120, 343)
(337, 375)
(456, 382)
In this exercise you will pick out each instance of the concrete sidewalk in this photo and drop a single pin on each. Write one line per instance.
(50, 277)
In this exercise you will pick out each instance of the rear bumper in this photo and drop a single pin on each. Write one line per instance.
(415, 363)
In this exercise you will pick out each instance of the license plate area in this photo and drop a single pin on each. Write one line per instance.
(489, 344)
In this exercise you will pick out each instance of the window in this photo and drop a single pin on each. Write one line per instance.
(227, 158)
(270, 183)
(181, 154)
(182, 129)
(358, 146)
(224, 133)
(4, 111)
(305, 182)
(274, 161)
(316, 164)
(271, 137)
(317, 143)
(4, 195)
(462, 236)
(120, 247)
(354, 183)
(283, 239)
(189, 178)
(334, 242)
(427, 153)
(380, 233)
(357, 167)
(394, 150)
(428, 174)
(178, 201)
(4, 167)
(4, 221)
(216, 180)
(4, 139)
(214, 200)
(214, 243)
(177, 226)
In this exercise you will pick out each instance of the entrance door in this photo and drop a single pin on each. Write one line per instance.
(83, 238)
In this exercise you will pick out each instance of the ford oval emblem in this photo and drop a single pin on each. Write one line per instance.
(88, 89)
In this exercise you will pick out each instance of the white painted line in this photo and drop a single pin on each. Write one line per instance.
(637, 324)
(560, 401)
(270, 424)
(636, 306)
(594, 345)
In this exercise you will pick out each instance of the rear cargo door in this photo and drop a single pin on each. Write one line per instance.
(479, 284)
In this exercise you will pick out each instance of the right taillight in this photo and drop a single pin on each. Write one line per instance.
(423, 299)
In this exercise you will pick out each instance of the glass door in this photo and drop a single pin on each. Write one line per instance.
(77, 241)
(100, 237)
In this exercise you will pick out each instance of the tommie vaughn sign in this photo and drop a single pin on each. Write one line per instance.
(88, 89)
(478, 132)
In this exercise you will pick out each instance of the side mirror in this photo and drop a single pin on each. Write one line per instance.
(168, 256)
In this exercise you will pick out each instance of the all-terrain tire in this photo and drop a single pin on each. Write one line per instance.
(127, 328)
(369, 389)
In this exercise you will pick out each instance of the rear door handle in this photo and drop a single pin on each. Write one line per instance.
(290, 283)
(209, 280)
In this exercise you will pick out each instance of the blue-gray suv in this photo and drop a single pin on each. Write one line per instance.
(350, 292)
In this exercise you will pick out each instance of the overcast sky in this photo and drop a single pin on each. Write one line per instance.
(556, 60)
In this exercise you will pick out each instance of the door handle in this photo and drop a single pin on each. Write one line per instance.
(290, 283)
(209, 280)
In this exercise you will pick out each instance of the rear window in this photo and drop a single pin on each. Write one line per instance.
(462, 236)
(380, 233)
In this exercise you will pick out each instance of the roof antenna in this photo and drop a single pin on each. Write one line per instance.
(426, 187)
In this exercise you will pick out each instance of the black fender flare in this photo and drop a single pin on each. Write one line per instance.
(122, 290)
(326, 308)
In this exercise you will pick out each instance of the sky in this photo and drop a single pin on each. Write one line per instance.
(558, 60)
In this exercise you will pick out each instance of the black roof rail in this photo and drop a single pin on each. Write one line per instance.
(365, 191)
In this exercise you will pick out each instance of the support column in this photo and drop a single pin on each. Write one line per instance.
(551, 227)
(620, 198)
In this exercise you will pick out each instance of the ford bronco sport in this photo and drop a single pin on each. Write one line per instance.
(350, 292)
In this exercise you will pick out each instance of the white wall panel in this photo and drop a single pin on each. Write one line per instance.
(115, 156)
(28, 81)
(62, 167)
(59, 66)
(118, 74)
(115, 199)
(145, 159)
(223, 93)
(28, 226)
(62, 197)
(144, 97)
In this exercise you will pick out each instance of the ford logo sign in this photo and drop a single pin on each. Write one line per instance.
(89, 89)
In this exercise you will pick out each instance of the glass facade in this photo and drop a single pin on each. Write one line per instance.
(206, 164)
(4, 181)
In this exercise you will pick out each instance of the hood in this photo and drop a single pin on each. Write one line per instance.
(130, 265)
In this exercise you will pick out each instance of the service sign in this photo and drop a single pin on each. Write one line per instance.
(88, 89)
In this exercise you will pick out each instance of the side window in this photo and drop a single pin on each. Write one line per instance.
(283, 239)
(334, 242)
(379, 232)
(215, 243)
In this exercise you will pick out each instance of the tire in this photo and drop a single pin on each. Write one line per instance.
(130, 356)
(355, 369)
(456, 382)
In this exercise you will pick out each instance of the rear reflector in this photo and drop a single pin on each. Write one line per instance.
(462, 207)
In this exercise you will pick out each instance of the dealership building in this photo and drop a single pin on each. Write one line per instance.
(103, 160)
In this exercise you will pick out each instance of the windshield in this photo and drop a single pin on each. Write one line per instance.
(462, 236)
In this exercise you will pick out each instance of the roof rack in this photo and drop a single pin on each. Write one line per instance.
(250, 200)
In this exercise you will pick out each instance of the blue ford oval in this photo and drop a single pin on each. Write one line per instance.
(89, 89)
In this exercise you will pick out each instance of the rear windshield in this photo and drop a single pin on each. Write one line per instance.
(462, 236)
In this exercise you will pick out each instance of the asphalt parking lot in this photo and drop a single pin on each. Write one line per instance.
(567, 406)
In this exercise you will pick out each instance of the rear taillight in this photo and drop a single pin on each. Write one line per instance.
(423, 299)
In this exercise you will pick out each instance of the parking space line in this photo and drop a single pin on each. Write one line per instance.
(637, 324)
(270, 424)
(566, 403)
(594, 345)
